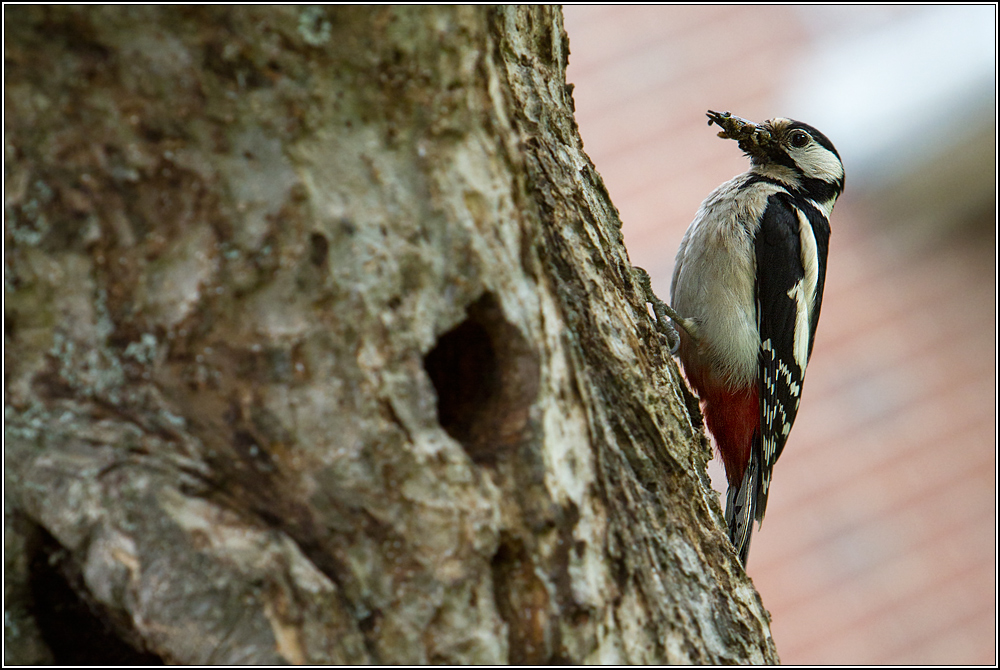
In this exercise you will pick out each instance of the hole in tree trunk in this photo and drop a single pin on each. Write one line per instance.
(75, 630)
(486, 376)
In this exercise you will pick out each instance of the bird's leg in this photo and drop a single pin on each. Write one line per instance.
(663, 311)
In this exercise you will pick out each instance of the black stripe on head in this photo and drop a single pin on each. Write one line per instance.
(816, 189)
(816, 135)
(755, 178)
(777, 156)
(821, 191)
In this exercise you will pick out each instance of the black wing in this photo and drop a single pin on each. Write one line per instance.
(780, 279)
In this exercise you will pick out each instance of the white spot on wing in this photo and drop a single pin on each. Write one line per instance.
(804, 292)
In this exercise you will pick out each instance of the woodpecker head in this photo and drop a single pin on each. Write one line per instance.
(793, 152)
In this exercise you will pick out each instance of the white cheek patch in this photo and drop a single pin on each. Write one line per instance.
(817, 162)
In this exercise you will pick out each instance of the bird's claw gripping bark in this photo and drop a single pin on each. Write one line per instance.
(662, 311)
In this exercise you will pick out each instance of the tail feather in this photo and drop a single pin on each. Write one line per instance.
(741, 507)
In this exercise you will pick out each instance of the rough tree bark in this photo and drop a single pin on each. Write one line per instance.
(322, 345)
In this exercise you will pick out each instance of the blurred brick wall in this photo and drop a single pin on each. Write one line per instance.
(880, 540)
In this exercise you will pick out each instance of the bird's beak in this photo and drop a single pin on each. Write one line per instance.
(752, 138)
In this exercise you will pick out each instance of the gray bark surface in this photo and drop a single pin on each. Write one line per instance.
(322, 346)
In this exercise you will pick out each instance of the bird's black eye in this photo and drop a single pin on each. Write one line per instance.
(799, 138)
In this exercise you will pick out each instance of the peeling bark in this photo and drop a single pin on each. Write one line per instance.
(322, 346)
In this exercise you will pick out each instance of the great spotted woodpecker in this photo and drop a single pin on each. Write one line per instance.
(746, 292)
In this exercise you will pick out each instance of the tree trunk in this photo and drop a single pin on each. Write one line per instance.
(322, 346)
